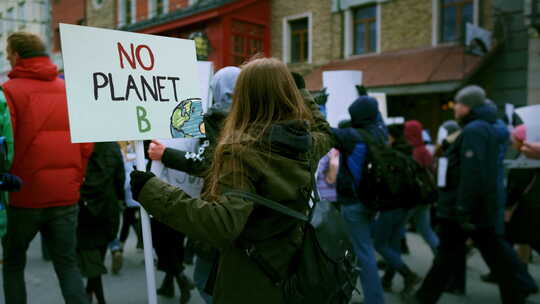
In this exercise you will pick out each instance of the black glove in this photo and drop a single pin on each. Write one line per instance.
(299, 80)
(138, 180)
(10, 182)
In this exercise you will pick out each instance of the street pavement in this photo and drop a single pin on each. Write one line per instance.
(129, 286)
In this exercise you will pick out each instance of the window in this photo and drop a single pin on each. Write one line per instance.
(365, 30)
(160, 9)
(454, 15)
(299, 40)
(247, 40)
(157, 7)
(127, 12)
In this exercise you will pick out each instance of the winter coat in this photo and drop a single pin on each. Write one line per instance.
(101, 193)
(503, 137)
(471, 188)
(283, 175)
(413, 134)
(524, 194)
(51, 167)
(364, 115)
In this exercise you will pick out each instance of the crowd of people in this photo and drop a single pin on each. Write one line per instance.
(265, 135)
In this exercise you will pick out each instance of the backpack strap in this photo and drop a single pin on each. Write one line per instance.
(257, 199)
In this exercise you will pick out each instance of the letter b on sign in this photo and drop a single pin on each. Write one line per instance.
(142, 122)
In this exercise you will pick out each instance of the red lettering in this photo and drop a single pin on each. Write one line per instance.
(123, 54)
(150, 55)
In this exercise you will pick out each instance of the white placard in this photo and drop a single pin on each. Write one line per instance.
(442, 170)
(341, 89)
(190, 184)
(129, 86)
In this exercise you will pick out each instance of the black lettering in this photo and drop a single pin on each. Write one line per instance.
(146, 86)
(160, 87)
(132, 86)
(173, 80)
(98, 86)
(111, 86)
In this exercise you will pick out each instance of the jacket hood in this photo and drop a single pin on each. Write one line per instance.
(485, 112)
(38, 68)
(223, 84)
(364, 111)
(413, 133)
(292, 136)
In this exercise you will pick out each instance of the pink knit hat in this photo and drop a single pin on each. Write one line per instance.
(520, 133)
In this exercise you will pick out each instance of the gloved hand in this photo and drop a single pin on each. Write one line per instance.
(10, 182)
(138, 180)
(465, 222)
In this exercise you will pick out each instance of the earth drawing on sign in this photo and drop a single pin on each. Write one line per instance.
(187, 119)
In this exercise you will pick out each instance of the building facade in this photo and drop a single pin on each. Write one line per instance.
(31, 16)
(226, 32)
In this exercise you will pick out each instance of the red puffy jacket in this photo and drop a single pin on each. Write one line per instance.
(51, 167)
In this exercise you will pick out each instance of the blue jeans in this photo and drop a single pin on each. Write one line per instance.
(57, 226)
(202, 271)
(388, 228)
(423, 226)
(359, 220)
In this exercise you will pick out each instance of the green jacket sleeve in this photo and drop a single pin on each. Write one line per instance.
(321, 132)
(217, 222)
(6, 130)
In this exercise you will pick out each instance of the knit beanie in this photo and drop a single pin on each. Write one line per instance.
(471, 96)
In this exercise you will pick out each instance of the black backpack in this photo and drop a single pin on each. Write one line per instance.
(389, 178)
(324, 270)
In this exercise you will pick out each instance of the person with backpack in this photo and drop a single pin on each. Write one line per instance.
(359, 218)
(421, 215)
(270, 145)
(390, 224)
(468, 203)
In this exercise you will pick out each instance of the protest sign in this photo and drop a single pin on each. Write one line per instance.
(341, 88)
(529, 115)
(128, 86)
(125, 86)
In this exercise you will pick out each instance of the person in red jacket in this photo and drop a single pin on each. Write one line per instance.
(51, 167)
(421, 214)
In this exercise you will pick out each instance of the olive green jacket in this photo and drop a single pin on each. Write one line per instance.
(283, 175)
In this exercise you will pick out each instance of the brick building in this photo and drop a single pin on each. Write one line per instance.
(412, 50)
(227, 32)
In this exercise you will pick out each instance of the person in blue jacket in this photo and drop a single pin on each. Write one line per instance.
(364, 115)
(468, 203)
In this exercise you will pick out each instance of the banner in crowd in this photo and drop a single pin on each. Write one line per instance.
(129, 86)
(529, 115)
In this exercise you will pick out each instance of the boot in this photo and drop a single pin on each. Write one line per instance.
(387, 279)
(185, 285)
(167, 287)
(410, 280)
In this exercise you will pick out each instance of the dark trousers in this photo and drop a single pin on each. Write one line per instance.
(129, 219)
(449, 257)
(57, 226)
(169, 246)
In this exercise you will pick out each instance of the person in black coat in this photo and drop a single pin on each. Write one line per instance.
(99, 215)
(468, 204)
